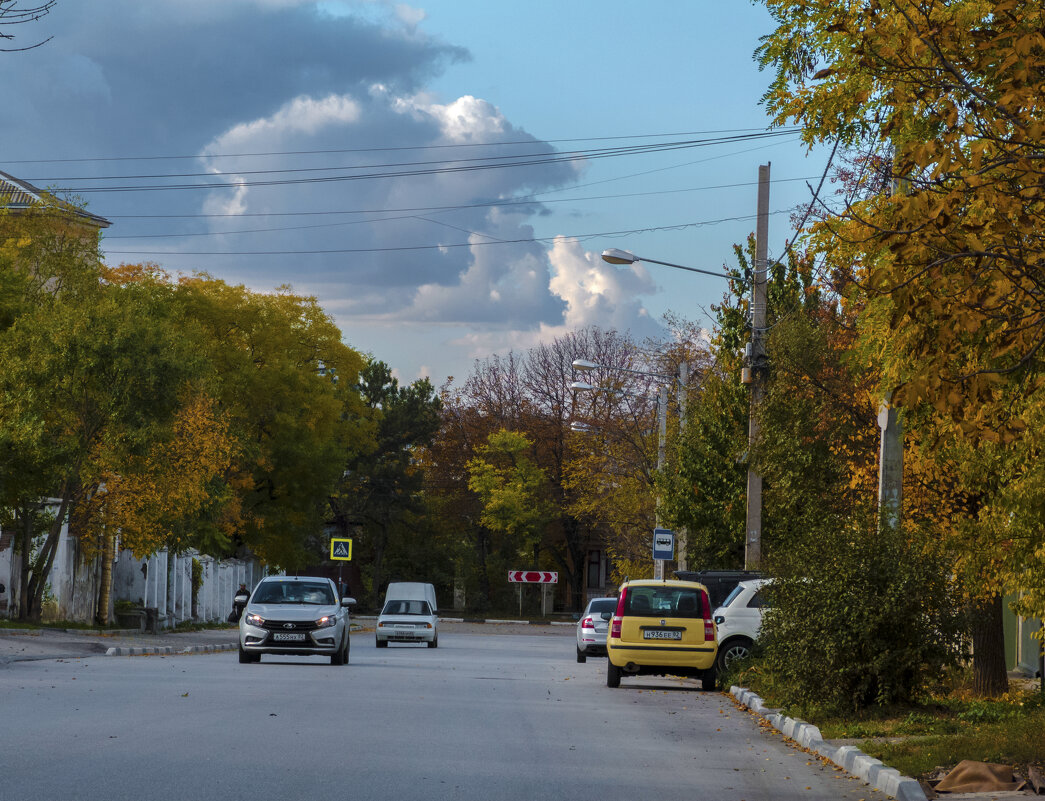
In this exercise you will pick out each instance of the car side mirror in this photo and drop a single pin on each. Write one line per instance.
(719, 620)
(348, 601)
(606, 615)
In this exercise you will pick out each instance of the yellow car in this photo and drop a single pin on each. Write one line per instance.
(662, 628)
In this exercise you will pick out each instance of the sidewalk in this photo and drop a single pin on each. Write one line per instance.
(19, 645)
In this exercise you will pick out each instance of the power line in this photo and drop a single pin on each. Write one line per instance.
(420, 168)
(457, 145)
(441, 246)
(401, 212)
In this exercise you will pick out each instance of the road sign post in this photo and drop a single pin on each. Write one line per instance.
(541, 577)
(340, 551)
(663, 549)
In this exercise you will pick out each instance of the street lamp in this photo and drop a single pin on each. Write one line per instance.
(616, 256)
(662, 425)
(753, 527)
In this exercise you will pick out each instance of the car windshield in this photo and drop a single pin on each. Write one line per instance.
(293, 592)
(663, 601)
(407, 608)
(602, 605)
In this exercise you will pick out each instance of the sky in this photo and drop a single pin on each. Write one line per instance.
(442, 176)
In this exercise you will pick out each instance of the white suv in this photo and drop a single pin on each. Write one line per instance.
(739, 620)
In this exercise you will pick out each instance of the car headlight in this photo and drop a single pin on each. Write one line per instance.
(326, 622)
(255, 620)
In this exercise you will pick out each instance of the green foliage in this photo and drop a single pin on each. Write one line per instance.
(511, 487)
(860, 616)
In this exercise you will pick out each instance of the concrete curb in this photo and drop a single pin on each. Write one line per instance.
(168, 650)
(852, 759)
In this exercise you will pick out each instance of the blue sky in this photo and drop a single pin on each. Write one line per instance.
(429, 271)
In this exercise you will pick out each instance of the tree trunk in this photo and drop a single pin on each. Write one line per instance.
(484, 577)
(989, 677)
(26, 536)
(101, 614)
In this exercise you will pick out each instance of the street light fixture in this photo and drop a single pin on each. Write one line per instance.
(616, 256)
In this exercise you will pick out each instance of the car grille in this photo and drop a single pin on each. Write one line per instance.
(289, 625)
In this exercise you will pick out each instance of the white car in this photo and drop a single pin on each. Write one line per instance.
(299, 615)
(739, 620)
(407, 621)
(592, 628)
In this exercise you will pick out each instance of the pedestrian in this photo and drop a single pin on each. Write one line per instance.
(239, 601)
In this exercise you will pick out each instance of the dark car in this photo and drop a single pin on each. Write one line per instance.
(720, 583)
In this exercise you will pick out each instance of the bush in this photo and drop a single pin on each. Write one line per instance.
(864, 617)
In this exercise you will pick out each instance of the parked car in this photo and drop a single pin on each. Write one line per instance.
(662, 628)
(720, 583)
(299, 615)
(592, 628)
(739, 620)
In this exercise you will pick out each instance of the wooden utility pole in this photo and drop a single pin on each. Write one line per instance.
(753, 540)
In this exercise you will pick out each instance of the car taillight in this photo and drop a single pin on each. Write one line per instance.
(709, 629)
(587, 623)
(615, 627)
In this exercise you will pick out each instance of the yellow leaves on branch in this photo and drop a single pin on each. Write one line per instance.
(179, 477)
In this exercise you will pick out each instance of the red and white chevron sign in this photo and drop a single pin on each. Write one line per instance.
(533, 577)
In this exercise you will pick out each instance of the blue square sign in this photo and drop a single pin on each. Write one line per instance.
(663, 543)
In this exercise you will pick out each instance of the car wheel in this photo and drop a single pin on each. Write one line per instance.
(709, 680)
(381, 643)
(244, 657)
(612, 674)
(581, 656)
(731, 652)
(338, 657)
(434, 642)
(348, 646)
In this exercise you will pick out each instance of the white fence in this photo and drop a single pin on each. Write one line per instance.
(164, 582)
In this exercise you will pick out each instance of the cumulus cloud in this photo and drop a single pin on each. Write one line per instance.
(341, 173)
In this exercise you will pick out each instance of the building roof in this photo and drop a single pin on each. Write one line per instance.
(17, 194)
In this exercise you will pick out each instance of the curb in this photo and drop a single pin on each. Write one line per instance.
(168, 650)
(849, 757)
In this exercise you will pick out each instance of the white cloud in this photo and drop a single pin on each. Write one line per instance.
(304, 116)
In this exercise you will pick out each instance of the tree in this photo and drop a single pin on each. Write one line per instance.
(381, 490)
(12, 12)
(948, 268)
(110, 367)
(512, 491)
(286, 384)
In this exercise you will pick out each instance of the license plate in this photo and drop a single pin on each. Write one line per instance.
(283, 637)
(657, 634)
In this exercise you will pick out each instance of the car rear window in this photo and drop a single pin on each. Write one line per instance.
(664, 602)
(732, 596)
(603, 605)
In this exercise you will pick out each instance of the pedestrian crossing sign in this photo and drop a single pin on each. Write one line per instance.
(341, 549)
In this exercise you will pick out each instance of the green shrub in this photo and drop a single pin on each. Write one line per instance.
(860, 617)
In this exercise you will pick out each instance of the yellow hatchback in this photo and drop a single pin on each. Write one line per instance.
(662, 628)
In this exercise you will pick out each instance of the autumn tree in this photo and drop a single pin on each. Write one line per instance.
(287, 386)
(949, 264)
(512, 491)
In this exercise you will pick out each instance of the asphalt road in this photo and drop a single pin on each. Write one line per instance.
(487, 715)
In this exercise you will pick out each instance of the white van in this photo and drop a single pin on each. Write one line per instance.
(410, 614)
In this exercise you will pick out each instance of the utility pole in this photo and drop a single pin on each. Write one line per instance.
(890, 465)
(662, 436)
(681, 562)
(753, 539)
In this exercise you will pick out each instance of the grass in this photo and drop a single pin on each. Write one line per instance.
(938, 732)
